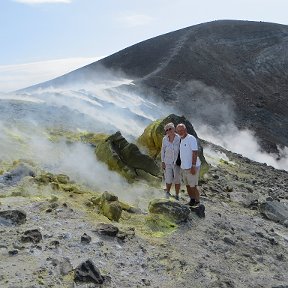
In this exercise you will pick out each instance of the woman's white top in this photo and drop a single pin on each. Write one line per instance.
(170, 150)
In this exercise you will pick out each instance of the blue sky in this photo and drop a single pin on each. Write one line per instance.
(78, 32)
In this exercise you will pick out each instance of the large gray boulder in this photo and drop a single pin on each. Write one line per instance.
(12, 217)
(14, 176)
(171, 209)
(275, 211)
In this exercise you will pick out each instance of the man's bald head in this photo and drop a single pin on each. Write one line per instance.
(181, 130)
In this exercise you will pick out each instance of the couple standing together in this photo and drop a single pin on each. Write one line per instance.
(172, 144)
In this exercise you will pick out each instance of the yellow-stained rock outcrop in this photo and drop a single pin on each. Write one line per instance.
(152, 137)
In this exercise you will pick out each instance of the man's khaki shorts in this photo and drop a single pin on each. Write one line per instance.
(172, 174)
(188, 179)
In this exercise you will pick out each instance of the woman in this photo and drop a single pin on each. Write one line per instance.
(169, 154)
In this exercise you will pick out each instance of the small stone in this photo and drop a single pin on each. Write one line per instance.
(85, 238)
(54, 205)
(107, 229)
(65, 266)
(229, 240)
(108, 197)
(55, 186)
(121, 235)
(229, 189)
(260, 234)
(13, 252)
(53, 199)
(33, 236)
(18, 246)
(54, 243)
(280, 257)
(87, 272)
(146, 282)
(273, 241)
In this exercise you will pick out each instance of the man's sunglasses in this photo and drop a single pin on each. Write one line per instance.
(169, 129)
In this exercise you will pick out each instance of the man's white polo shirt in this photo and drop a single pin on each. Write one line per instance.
(187, 146)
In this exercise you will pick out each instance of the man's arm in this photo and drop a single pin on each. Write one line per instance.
(194, 159)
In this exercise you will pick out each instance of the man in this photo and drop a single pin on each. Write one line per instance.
(169, 154)
(190, 164)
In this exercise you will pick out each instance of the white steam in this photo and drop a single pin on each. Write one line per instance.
(213, 157)
(212, 113)
(77, 160)
(100, 107)
(104, 104)
(243, 142)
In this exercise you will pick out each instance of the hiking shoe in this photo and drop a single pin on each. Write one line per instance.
(177, 197)
(195, 205)
(191, 202)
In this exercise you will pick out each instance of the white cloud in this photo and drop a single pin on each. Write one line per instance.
(42, 1)
(136, 20)
(13, 77)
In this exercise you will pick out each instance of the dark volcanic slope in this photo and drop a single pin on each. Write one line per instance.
(245, 63)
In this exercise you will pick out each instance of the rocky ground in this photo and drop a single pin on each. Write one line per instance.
(62, 239)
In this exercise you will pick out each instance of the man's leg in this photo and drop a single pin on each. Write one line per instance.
(191, 195)
(195, 193)
(192, 188)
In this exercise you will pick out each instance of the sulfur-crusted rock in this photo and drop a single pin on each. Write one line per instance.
(112, 210)
(152, 137)
(45, 178)
(109, 206)
(62, 178)
(126, 158)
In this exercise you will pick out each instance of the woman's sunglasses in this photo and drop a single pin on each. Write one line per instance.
(169, 129)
